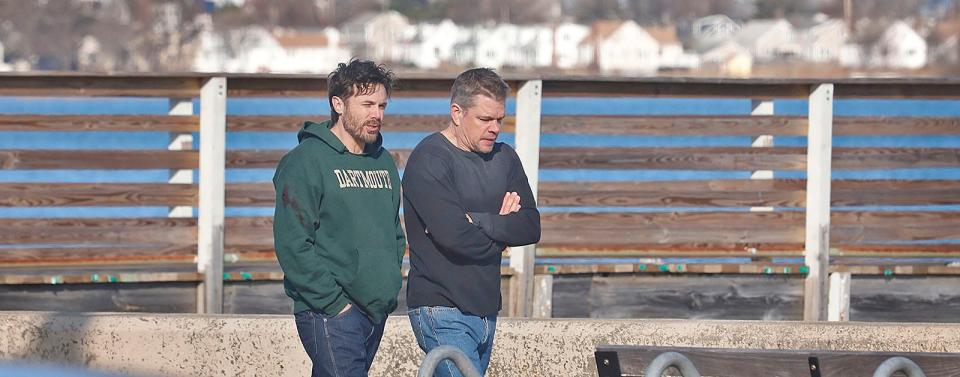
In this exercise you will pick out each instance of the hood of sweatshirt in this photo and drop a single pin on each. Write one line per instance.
(322, 131)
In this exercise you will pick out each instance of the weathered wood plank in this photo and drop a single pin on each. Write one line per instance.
(718, 125)
(743, 158)
(77, 255)
(162, 297)
(316, 86)
(716, 193)
(711, 158)
(143, 232)
(92, 194)
(874, 126)
(180, 124)
(905, 299)
(774, 297)
(894, 158)
(391, 123)
(713, 193)
(98, 159)
(626, 229)
(878, 227)
(672, 87)
(894, 192)
(100, 85)
(675, 125)
(268, 159)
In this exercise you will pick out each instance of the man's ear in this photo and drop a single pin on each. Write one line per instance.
(338, 105)
(456, 114)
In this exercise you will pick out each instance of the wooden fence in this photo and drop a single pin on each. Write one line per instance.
(758, 218)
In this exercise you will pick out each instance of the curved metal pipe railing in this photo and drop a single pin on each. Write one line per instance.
(442, 353)
(898, 364)
(671, 359)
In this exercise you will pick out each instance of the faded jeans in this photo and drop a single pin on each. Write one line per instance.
(434, 326)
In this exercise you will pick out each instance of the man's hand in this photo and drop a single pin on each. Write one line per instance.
(511, 203)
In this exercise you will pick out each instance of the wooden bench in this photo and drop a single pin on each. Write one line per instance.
(619, 360)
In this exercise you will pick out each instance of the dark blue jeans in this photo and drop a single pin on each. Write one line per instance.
(339, 346)
(434, 326)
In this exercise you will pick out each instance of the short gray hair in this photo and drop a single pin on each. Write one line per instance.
(478, 81)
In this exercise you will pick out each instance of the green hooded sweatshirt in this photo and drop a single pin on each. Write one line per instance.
(336, 227)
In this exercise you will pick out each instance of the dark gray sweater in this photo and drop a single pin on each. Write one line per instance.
(452, 262)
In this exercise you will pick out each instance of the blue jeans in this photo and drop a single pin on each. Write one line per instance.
(434, 326)
(339, 346)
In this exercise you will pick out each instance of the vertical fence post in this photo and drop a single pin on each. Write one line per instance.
(762, 107)
(543, 296)
(179, 142)
(817, 241)
(839, 306)
(528, 148)
(213, 122)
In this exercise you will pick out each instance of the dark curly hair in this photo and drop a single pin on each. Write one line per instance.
(357, 77)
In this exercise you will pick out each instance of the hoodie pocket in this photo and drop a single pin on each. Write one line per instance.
(377, 281)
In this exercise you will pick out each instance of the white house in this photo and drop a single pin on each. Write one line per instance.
(730, 58)
(4, 67)
(249, 49)
(671, 50)
(710, 31)
(534, 47)
(378, 36)
(899, 47)
(309, 51)
(567, 37)
(432, 44)
(768, 39)
(621, 46)
(823, 41)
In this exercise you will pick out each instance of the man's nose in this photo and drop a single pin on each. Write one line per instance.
(495, 128)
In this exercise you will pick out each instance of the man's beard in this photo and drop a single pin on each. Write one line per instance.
(356, 129)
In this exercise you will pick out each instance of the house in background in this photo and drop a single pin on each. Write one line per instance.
(899, 47)
(729, 59)
(311, 51)
(621, 46)
(432, 44)
(378, 36)
(894, 46)
(671, 55)
(768, 39)
(533, 47)
(493, 44)
(823, 41)
(4, 67)
(567, 37)
(249, 49)
(711, 31)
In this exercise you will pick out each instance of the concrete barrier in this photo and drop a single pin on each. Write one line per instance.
(261, 345)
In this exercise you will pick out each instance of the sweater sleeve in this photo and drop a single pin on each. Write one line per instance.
(294, 235)
(518, 228)
(429, 189)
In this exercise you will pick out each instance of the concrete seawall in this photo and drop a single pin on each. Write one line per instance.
(193, 345)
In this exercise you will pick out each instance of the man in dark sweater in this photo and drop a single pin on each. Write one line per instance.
(465, 198)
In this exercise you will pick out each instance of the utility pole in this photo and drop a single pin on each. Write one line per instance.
(848, 14)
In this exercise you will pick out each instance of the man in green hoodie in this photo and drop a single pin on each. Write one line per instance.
(336, 226)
